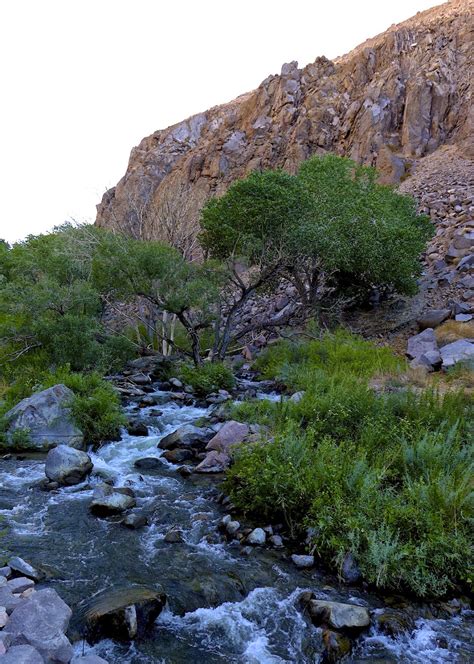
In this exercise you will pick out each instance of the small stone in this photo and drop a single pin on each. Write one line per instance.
(174, 536)
(3, 616)
(5, 571)
(302, 561)
(463, 318)
(257, 537)
(232, 527)
(276, 541)
(135, 520)
(137, 429)
(175, 382)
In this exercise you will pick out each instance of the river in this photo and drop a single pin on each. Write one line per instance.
(223, 607)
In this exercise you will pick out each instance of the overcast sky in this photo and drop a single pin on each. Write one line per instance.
(82, 81)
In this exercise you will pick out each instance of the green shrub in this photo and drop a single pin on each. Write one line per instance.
(208, 377)
(384, 476)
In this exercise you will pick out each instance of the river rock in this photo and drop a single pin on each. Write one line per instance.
(257, 537)
(41, 621)
(22, 655)
(393, 622)
(137, 429)
(135, 520)
(336, 646)
(421, 343)
(149, 463)
(19, 565)
(174, 536)
(177, 455)
(338, 615)
(123, 613)
(107, 500)
(215, 462)
(228, 435)
(276, 541)
(185, 436)
(47, 418)
(302, 561)
(66, 465)
(458, 351)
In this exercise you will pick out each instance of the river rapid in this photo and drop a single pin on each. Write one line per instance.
(223, 607)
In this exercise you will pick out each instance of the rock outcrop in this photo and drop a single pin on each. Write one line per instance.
(393, 102)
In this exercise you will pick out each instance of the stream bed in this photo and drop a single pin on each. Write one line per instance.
(223, 607)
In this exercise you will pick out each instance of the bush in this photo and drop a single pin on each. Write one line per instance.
(208, 377)
(384, 476)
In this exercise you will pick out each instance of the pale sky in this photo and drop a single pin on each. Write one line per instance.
(82, 81)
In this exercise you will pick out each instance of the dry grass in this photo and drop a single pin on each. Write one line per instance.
(453, 330)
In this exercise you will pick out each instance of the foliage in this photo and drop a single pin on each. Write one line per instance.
(385, 476)
(208, 377)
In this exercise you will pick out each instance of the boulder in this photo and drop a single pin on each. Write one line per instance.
(149, 463)
(5, 571)
(47, 418)
(185, 436)
(232, 433)
(458, 351)
(66, 465)
(20, 584)
(421, 343)
(338, 615)
(19, 565)
(135, 520)
(137, 429)
(41, 621)
(88, 659)
(215, 462)
(302, 561)
(107, 500)
(8, 600)
(174, 536)
(22, 655)
(178, 455)
(433, 318)
(393, 622)
(123, 613)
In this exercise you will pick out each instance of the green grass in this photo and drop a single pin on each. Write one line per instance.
(207, 378)
(386, 476)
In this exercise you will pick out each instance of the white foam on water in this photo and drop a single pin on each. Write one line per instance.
(263, 628)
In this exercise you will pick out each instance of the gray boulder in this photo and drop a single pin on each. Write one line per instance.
(215, 462)
(22, 655)
(41, 622)
(338, 615)
(421, 344)
(232, 433)
(458, 351)
(19, 565)
(257, 537)
(433, 318)
(123, 613)
(186, 436)
(46, 417)
(107, 500)
(8, 600)
(66, 465)
(302, 561)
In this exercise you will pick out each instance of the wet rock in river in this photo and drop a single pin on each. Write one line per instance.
(174, 536)
(336, 646)
(186, 436)
(393, 622)
(41, 622)
(137, 429)
(88, 659)
(107, 500)
(135, 520)
(149, 463)
(178, 455)
(123, 613)
(338, 615)
(66, 465)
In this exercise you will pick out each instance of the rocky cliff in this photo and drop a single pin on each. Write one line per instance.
(390, 102)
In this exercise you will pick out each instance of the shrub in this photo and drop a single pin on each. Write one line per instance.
(208, 377)
(384, 476)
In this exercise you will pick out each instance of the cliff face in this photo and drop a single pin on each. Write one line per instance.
(391, 102)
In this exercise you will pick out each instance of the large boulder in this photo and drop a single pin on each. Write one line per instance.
(107, 500)
(458, 351)
(214, 462)
(338, 615)
(432, 318)
(66, 465)
(185, 436)
(41, 622)
(422, 343)
(123, 613)
(46, 417)
(232, 433)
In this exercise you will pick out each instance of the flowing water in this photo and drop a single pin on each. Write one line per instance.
(222, 606)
